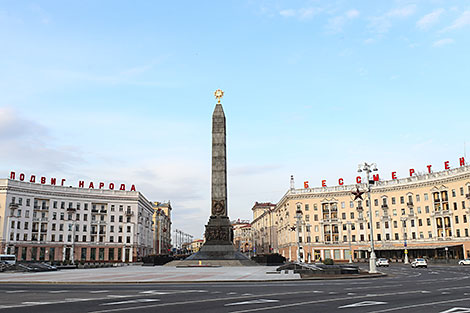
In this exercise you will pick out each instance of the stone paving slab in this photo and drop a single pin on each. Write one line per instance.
(146, 274)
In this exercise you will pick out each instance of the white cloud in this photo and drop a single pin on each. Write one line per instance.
(25, 143)
(302, 14)
(429, 19)
(382, 23)
(402, 12)
(352, 13)
(337, 23)
(443, 42)
(462, 21)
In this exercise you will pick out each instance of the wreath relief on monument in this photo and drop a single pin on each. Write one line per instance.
(218, 207)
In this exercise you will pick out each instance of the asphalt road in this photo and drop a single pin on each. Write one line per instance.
(435, 289)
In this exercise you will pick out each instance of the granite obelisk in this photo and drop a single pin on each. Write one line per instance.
(219, 234)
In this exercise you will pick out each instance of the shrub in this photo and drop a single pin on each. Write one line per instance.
(328, 261)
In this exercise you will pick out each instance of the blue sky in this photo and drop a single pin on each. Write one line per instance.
(122, 91)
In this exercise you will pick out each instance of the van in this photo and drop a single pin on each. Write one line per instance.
(8, 259)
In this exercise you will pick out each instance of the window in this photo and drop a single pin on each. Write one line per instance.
(465, 218)
(111, 228)
(395, 224)
(343, 215)
(420, 222)
(429, 234)
(403, 212)
(426, 209)
(402, 200)
(28, 202)
(306, 207)
(376, 202)
(26, 214)
(78, 206)
(307, 218)
(376, 213)
(121, 208)
(393, 200)
(421, 235)
(396, 236)
(85, 217)
(461, 191)
(128, 229)
(456, 219)
(458, 232)
(351, 204)
(428, 221)
(352, 215)
(426, 198)
(453, 193)
(463, 205)
(62, 216)
(84, 238)
(62, 205)
(419, 210)
(417, 198)
(61, 227)
(85, 206)
(120, 218)
(120, 239)
(394, 212)
(53, 226)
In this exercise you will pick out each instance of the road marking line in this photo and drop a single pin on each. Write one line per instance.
(457, 310)
(58, 291)
(257, 301)
(15, 291)
(259, 309)
(363, 303)
(131, 301)
(422, 304)
(119, 296)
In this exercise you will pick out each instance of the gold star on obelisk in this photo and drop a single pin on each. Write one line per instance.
(218, 94)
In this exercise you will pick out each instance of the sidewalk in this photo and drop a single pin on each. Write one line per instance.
(152, 274)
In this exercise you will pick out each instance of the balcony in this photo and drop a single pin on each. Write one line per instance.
(103, 211)
(94, 210)
(467, 196)
(41, 208)
(40, 219)
(129, 213)
(70, 209)
(385, 206)
(410, 204)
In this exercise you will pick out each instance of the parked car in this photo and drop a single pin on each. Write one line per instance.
(419, 263)
(464, 262)
(382, 262)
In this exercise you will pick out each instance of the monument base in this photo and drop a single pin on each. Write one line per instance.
(218, 249)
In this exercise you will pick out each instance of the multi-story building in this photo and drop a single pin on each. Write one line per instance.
(162, 227)
(57, 223)
(242, 236)
(427, 215)
(264, 228)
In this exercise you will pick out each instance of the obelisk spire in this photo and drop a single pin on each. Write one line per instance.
(219, 159)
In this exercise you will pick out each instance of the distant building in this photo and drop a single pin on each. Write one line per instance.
(57, 223)
(263, 228)
(242, 236)
(162, 227)
(195, 245)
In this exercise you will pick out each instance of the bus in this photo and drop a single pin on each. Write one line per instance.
(8, 259)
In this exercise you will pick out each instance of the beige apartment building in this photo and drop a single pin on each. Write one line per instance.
(162, 227)
(427, 215)
(242, 236)
(264, 228)
(60, 223)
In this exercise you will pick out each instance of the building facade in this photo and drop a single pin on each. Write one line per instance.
(162, 227)
(264, 228)
(424, 216)
(242, 236)
(57, 223)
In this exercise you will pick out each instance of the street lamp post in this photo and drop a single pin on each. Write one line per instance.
(298, 215)
(367, 168)
(404, 219)
(349, 239)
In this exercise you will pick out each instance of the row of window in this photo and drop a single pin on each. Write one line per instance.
(70, 228)
(60, 237)
(43, 204)
(436, 197)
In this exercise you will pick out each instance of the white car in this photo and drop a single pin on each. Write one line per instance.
(464, 262)
(419, 263)
(382, 262)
